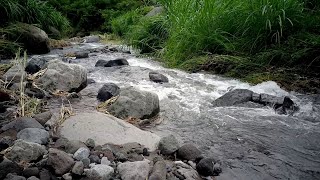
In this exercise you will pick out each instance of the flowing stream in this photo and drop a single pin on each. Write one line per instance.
(252, 143)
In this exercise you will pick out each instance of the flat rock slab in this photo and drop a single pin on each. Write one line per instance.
(103, 128)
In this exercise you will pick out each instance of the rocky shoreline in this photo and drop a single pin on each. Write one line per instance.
(107, 143)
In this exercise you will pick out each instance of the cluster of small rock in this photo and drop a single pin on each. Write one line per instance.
(29, 152)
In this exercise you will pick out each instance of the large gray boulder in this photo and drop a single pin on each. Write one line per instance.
(60, 161)
(134, 170)
(135, 103)
(159, 171)
(25, 151)
(34, 39)
(103, 129)
(64, 77)
(234, 97)
(34, 135)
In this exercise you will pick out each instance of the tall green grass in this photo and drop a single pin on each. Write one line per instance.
(32, 12)
(228, 26)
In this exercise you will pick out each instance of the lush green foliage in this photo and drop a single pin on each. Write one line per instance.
(32, 12)
(95, 15)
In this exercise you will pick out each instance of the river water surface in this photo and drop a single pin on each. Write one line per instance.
(252, 143)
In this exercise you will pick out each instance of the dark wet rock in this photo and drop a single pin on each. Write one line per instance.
(60, 161)
(208, 167)
(145, 152)
(189, 152)
(136, 104)
(31, 171)
(111, 63)
(34, 39)
(158, 78)
(100, 171)
(22, 123)
(233, 98)
(159, 171)
(81, 153)
(168, 145)
(82, 54)
(90, 143)
(25, 151)
(91, 39)
(6, 142)
(94, 159)
(34, 135)
(44, 174)
(101, 63)
(78, 168)
(108, 91)
(14, 74)
(7, 166)
(287, 102)
(35, 65)
(64, 77)
(14, 177)
(134, 170)
(44, 117)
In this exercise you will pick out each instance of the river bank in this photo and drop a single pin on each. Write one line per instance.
(243, 139)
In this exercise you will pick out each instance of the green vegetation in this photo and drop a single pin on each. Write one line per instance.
(251, 40)
(94, 15)
(13, 12)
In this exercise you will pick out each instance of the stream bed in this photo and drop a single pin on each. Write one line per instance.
(252, 143)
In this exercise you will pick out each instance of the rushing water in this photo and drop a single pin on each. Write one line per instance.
(252, 143)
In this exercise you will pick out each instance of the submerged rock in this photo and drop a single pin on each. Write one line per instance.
(233, 98)
(158, 78)
(111, 63)
(135, 103)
